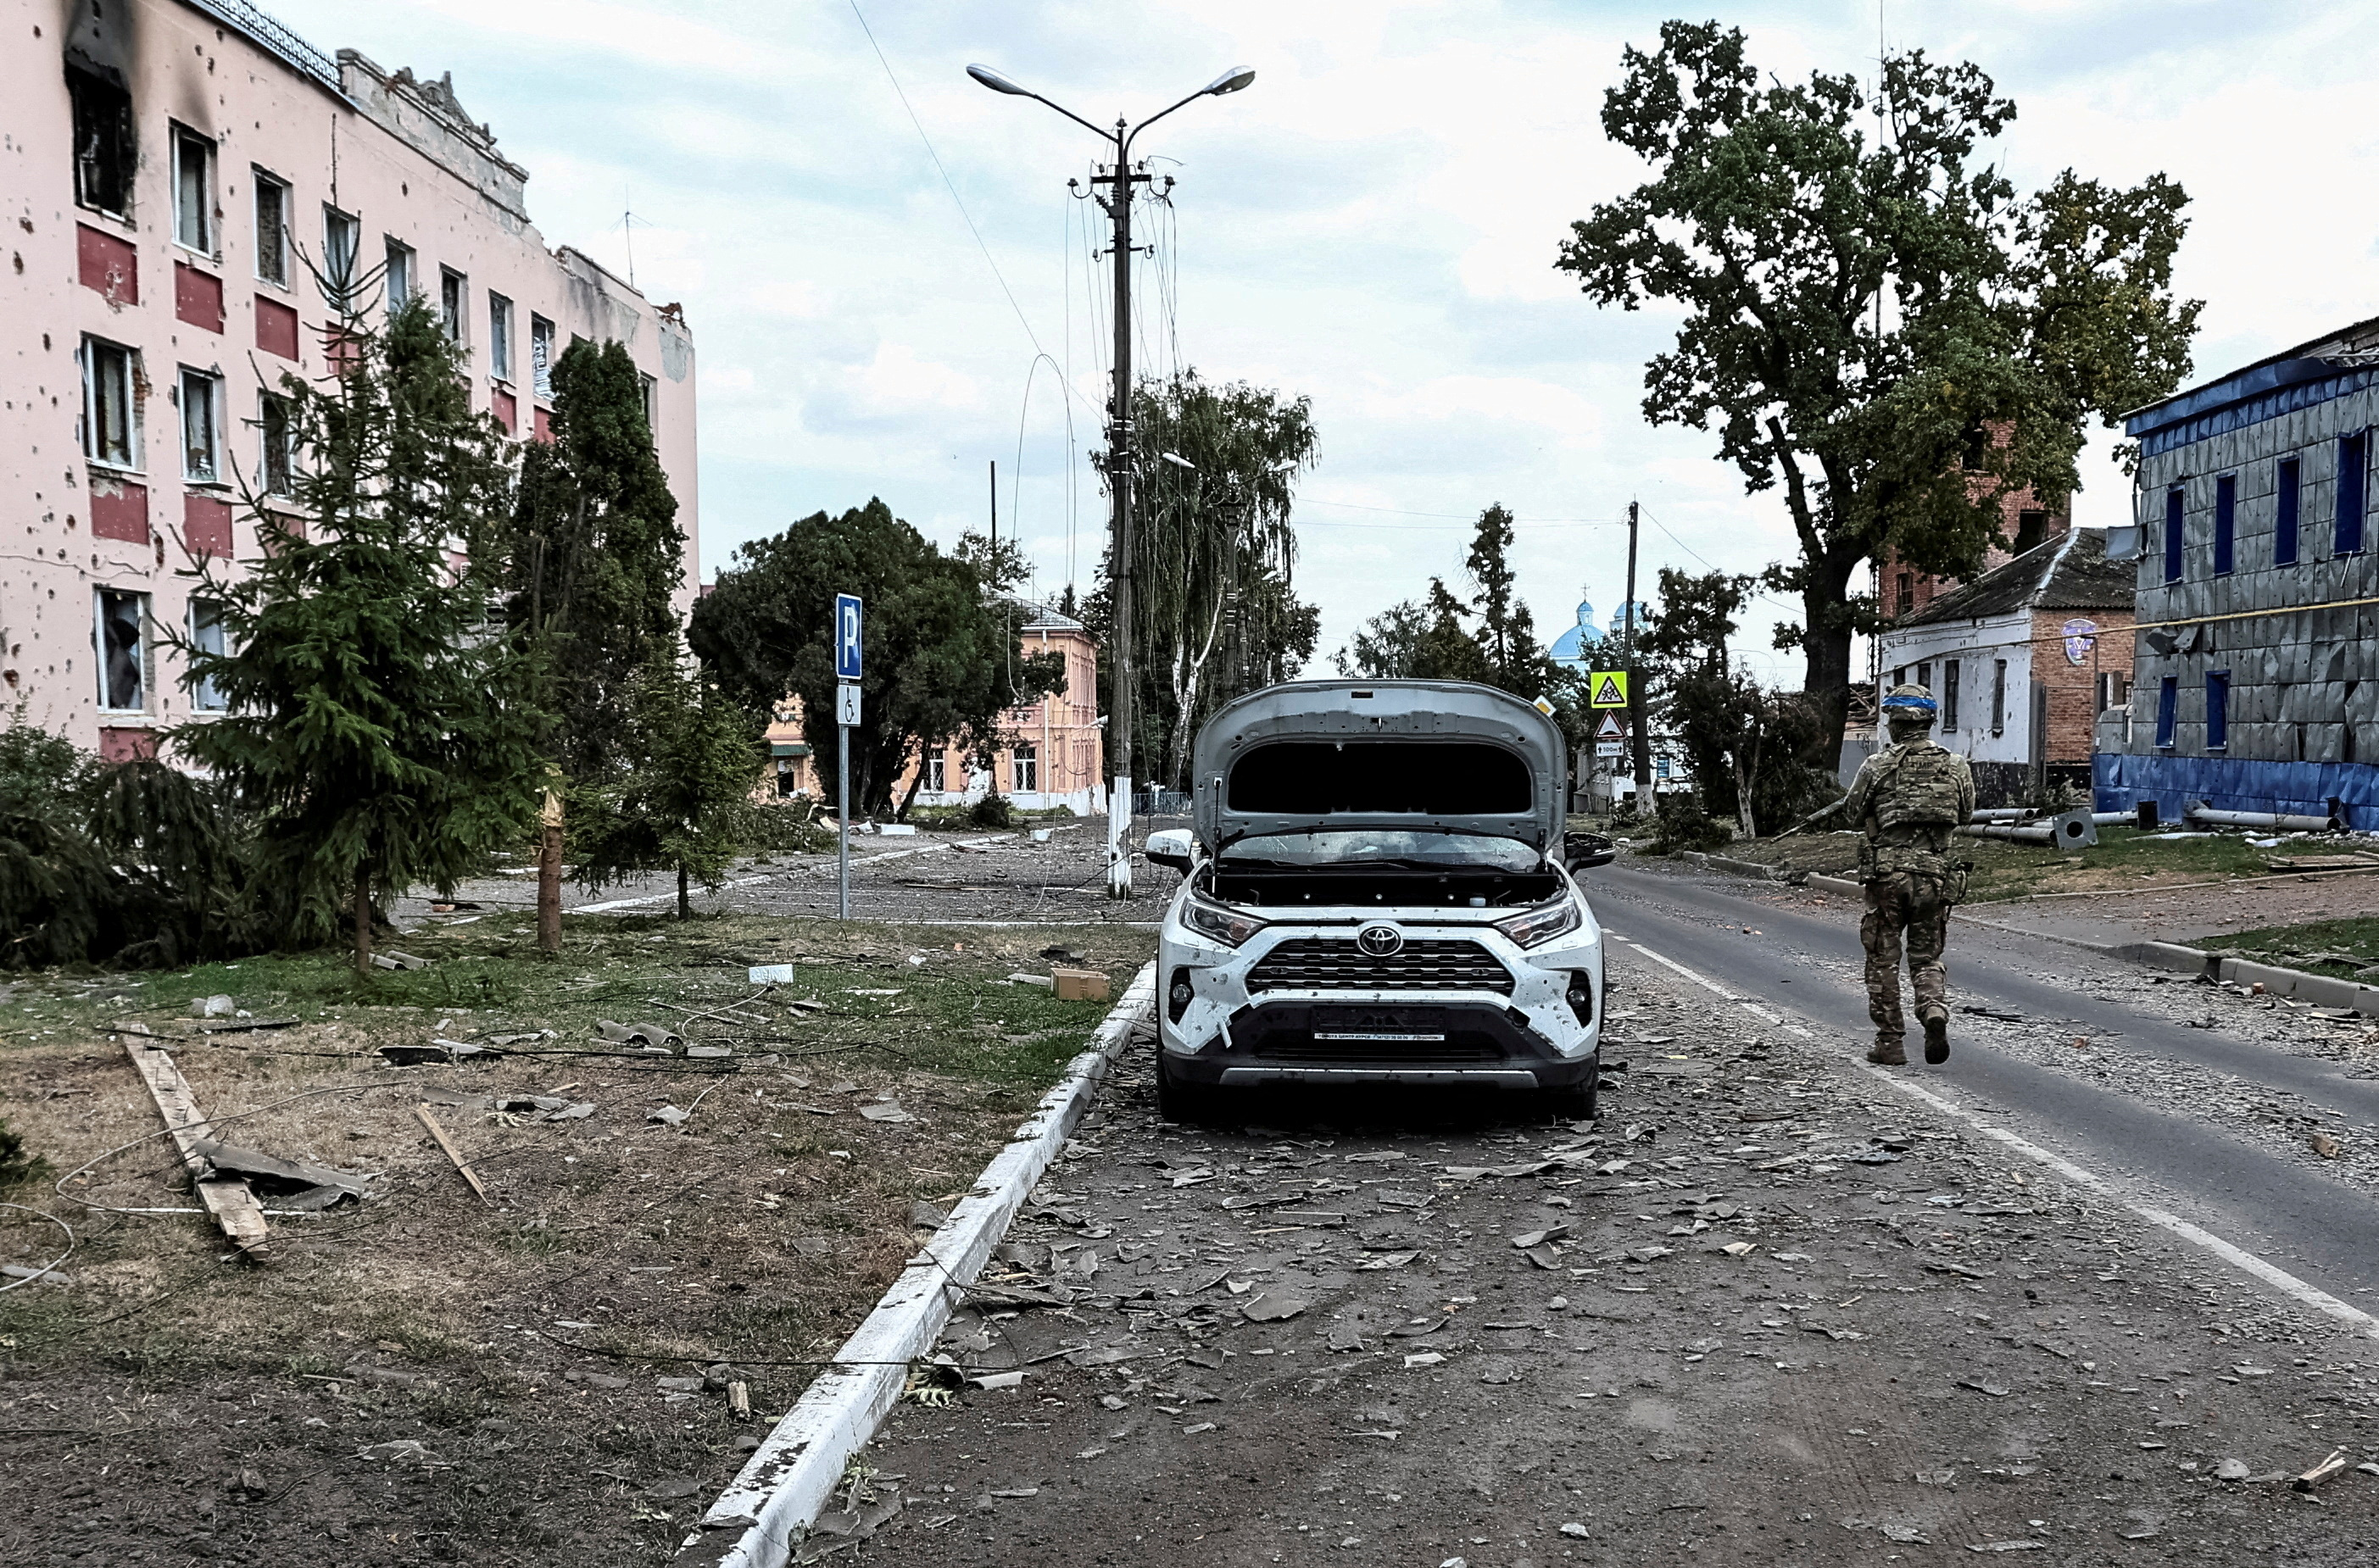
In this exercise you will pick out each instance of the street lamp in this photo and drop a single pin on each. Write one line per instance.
(1118, 203)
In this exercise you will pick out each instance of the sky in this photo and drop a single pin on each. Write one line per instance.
(890, 287)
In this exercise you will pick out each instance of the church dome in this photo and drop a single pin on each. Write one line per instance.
(1573, 646)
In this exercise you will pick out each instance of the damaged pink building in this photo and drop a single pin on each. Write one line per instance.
(173, 176)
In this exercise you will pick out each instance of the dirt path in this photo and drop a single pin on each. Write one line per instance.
(1761, 1312)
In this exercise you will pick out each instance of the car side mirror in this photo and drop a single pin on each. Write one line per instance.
(1583, 851)
(1169, 847)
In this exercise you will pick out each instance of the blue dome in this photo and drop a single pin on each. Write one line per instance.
(1571, 646)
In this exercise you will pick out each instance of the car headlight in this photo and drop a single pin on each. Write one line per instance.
(1224, 923)
(1542, 923)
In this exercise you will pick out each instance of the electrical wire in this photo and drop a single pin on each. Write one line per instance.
(54, 1262)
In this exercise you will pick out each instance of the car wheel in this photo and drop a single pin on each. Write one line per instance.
(1181, 1102)
(1573, 1102)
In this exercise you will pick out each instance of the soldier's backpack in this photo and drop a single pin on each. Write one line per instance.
(1920, 789)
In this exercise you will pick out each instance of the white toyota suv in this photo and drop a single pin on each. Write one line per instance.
(1378, 890)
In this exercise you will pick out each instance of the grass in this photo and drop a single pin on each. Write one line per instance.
(2339, 947)
(2123, 858)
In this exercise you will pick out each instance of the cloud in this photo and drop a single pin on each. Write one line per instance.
(1373, 225)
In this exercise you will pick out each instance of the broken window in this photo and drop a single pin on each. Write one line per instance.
(2174, 501)
(1998, 696)
(540, 356)
(1024, 769)
(2030, 527)
(271, 227)
(104, 153)
(2218, 710)
(399, 275)
(341, 236)
(277, 464)
(201, 398)
(1949, 694)
(194, 191)
(1394, 778)
(454, 303)
(500, 337)
(207, 636)
(123, 650)
(111, 430)
(2284, 531)
(2168, 711)
(2225, 522)
(2354, 459)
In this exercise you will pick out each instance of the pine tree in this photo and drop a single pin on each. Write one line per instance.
(378, 724)
(596, 559)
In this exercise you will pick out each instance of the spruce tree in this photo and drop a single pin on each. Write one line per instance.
(379, 724)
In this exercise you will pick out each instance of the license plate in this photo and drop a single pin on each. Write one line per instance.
(1369, 1034)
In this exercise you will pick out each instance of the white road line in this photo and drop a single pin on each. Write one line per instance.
(2237, 1257)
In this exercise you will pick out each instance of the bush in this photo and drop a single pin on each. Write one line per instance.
(992, 811)
(1682, 823)
(17, 1168)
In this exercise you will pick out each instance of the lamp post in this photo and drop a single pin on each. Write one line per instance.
(1118, 203)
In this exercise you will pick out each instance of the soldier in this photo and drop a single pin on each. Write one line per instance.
(1906, 801)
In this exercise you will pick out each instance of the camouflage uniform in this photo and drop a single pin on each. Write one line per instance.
(1906, 799)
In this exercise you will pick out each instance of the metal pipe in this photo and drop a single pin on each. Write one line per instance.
(2031, 834)
(2282, 822)
(2000, 814)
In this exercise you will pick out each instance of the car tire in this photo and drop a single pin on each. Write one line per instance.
(1179, 1101)
(1573, 1102)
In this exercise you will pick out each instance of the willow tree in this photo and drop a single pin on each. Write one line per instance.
(1874, 320)
(1214, 555)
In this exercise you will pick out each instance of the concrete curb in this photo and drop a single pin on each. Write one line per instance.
(2319, 989)
(779, 1494)
(1732, 867)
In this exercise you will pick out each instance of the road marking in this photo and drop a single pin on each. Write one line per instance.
(1747, 1003)
(2236, 1255)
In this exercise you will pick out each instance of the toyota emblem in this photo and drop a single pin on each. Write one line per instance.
(1380, 941)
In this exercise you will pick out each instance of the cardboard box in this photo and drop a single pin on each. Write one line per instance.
(1079, 985)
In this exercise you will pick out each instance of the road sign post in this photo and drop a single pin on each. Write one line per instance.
(846, 632)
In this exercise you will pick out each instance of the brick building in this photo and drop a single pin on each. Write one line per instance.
(173, 174)
(1052, 753)
(1901, 590)
(2020, 661)
(2258, 596)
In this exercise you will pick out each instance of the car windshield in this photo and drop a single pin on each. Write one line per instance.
(1403, 849)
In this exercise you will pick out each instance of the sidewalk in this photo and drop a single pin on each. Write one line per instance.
(2190, 916)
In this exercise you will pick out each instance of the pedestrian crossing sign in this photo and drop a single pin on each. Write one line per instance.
(1610, 729)
(1606, 688)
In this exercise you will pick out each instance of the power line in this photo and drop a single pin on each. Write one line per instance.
(1468, 518)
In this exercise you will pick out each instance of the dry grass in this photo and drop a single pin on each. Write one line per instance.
(756, 1231)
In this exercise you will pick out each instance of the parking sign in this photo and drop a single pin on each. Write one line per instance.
(846, 637)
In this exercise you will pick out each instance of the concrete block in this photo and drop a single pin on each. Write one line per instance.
(2165, 954)
(2320, 990)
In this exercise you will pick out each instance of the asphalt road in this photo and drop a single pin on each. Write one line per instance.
(1798, 953)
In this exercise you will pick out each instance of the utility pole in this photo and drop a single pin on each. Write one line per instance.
(1639, 741)
(1118, 203)
(1119, 179)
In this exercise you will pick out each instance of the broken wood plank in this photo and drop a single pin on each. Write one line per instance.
(462, 1166)
(228, 1199)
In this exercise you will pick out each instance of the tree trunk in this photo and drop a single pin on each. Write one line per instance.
(684, 904)
(915, 785)
(363, 924)
(1826, 673)
(549, 878)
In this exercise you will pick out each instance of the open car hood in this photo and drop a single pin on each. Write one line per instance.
(1380, 753)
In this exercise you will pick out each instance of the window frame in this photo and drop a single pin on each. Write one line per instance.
(99, 594)
(2168, 711)
(455, 305)
(1998, 696)
(2218, 710)
(540, 356)
(208, 388)
(204, 696)
(1023, 759)
(181, 140)
(83, 89)
(262, 183)
(276, 479)
(92, 346)
(500, 337)
(2288, 506)
(2176, 535)
(399, 261)
(2226, 523)
(1949, 681)
(2353, 493)
(339, 284)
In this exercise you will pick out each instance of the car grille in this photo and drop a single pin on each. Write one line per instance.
(1455, 1051)
(1316, 963)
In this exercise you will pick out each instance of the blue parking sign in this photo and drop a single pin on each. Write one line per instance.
(846, 637)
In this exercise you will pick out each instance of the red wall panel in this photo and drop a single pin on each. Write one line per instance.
(108, 265)
(276, 327)
(119, 509)
(206, 525)
(506, 409)
(198, 297)
(121, 744)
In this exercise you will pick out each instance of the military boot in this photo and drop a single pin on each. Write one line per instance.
(1886, 1052)
(1936, 1035)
